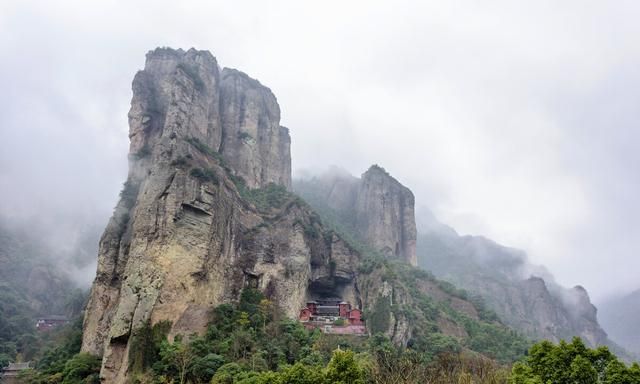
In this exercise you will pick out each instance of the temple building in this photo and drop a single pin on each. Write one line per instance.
(47, 323)
(333, 316)
(11, 373)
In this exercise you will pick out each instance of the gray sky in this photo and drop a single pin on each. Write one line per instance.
(515, 120)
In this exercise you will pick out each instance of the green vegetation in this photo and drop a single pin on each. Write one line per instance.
(181, 161)
(380, 316)
(17, 330)
(145, 345)
(60, 361)
(572, 363)
(205, 149)
(248, 343)
(244, 136)
(21, 301)
(205, 175)
(271, 196)
(266, 198)
(484, 333)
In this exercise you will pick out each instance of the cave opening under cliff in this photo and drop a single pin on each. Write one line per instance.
(328, 287)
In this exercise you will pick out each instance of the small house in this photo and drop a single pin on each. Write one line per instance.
(9, 374)
(46, 323)
(333, 316)
(355, 317)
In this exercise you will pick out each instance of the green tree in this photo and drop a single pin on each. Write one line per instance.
(82, 369)
(176, 358)
(344, 369)
(572, 363)
(302, 374)
(582, 372)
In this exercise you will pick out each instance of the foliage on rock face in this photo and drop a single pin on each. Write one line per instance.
(206, 150)
(205, 175)
(145, 345)
(265, 198)
(379, 318)
(270, 196)
(572, 363)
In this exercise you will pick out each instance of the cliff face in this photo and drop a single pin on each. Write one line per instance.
(206, 212)
(376, 207)
(524, 296)
(186, 235)
(186, 95)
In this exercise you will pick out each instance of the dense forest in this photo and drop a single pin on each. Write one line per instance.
(30, 286)
(250, 343)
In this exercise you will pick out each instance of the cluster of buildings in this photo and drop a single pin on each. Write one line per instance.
(10, 374)
(49, 322)
(333, 316)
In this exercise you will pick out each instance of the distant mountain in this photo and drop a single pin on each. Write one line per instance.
(25, 267)
(31, 285)
(620, 316)
(525, 296)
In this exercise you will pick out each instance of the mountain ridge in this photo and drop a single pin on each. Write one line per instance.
(206, 212)
(525, 296)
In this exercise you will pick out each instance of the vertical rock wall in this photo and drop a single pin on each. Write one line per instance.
(182, 238)
(385, 216)
(375, 207)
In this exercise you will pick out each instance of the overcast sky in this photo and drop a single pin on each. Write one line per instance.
(517, 120)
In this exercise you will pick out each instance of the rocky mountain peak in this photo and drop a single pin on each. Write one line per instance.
(385, 212)
(184, 95)
(376, 207)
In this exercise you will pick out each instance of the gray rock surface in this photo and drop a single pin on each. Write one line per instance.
(524, 296)
(182, 238)
(376, 207)
(189, 233)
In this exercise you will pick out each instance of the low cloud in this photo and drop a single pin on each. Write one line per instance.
(516, 121)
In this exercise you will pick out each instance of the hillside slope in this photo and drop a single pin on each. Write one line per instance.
(31, 285)
(524, 296)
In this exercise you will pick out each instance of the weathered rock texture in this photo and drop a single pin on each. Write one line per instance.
(376, 207)
(185, 94)
(182, 238)
(524, 296)
(190, 231)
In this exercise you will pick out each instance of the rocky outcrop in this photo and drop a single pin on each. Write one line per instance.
(376, 207)
(385, 215)
(185, 235)
(186, 95)
(253, 142)
(206, 212)
(524, 296)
